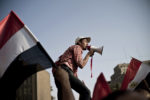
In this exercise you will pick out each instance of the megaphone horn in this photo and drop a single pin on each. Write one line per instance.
(96, 49)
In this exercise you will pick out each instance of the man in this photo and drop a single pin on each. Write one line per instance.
(70, 61)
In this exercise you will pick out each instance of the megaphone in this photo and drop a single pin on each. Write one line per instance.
(96, 49)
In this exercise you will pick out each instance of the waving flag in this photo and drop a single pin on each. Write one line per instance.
(21, 54)
(101, 89)
(136, 72)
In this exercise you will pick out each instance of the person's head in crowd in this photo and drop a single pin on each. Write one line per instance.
(125, 95)
(144, 92)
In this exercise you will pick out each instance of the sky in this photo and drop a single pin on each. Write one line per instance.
(121, 26)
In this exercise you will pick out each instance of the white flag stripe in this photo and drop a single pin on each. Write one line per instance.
(144, 69)
(18, 43)
(30, 33)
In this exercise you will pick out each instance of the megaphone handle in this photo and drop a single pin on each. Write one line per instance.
(91, 66)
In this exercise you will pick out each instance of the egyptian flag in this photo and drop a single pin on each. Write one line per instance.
(101, 89)
(21, 54)
(136, 72)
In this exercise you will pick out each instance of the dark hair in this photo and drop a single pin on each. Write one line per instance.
(79, 41)
(114, 95)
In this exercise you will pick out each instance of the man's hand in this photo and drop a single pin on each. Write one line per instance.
(91, 53)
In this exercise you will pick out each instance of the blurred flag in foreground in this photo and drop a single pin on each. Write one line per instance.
(21, 54)
(101, 89)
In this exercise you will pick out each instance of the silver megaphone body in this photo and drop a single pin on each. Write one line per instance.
(96, 49)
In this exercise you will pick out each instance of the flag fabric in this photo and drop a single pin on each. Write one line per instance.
(21, 54)
(136, 72)
(101, 89)
(144, 84)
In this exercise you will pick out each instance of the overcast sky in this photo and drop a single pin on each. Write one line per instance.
(122, 26)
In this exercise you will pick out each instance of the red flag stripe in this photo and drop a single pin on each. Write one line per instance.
(130, 73)
(101, 89)
(10, 25)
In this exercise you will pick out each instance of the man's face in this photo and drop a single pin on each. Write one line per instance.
(84, 44)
